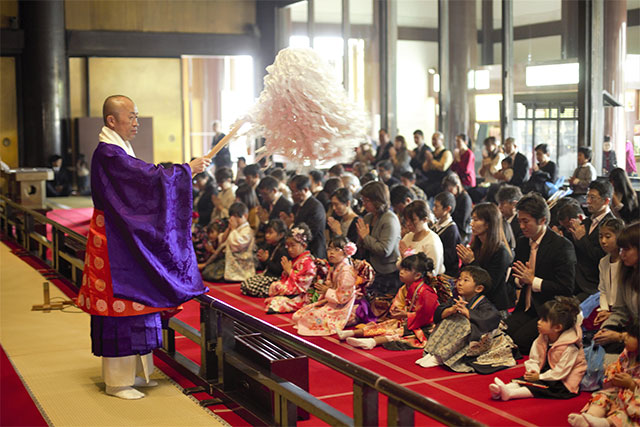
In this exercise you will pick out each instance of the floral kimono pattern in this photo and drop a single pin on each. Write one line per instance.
(290, 292)
(622, 405)
(330, 314)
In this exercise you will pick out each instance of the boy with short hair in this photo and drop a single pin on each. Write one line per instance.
(448, 231)
(462, 322)
(239, 242)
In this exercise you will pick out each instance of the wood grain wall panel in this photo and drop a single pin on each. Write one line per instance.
(188, 16)
(8, 9)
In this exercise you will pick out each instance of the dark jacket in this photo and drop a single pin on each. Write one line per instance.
(555, 265)
(313, 214)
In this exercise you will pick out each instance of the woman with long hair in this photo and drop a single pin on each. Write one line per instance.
(247, 195)
(342, 223)
(626, 306)
(624, 203)
(489, 249)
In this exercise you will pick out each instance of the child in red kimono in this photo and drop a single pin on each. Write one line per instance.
(412, 308)
(290, 292)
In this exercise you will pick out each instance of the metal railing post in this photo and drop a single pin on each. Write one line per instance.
(209, 364)
(399, 414)
(365, 405)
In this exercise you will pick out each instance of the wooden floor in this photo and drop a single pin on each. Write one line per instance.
(51, 353)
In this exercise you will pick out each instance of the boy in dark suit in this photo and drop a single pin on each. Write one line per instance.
(543, 267)
(585, 237)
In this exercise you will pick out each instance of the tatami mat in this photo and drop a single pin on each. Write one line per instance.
(51, 352)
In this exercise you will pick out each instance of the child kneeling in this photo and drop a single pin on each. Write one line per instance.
(270, 256)
(331, 312)
(290, 292)
(556, 362)
(411, 310)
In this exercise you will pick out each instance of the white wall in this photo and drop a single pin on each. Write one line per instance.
(415, 109)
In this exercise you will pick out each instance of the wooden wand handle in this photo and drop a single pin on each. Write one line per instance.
(224, 141)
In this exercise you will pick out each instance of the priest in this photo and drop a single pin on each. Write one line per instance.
(139, 260)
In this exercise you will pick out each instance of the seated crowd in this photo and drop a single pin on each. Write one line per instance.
(412, 249)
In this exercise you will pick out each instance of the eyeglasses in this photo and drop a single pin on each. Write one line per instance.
(593, 197)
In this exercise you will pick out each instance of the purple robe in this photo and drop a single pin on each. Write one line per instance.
(147, 211)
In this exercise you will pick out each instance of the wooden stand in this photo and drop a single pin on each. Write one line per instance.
(48, 305)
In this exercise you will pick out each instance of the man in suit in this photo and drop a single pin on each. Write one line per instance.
(309, 210)
(507, 198)
(585, 237)
(273, 202)
(520, 163)
(543, 268)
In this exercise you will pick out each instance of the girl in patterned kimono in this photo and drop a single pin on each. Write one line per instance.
(338, 293)
(239, 241)
(290, 292)
(412, 308)
(618, 403)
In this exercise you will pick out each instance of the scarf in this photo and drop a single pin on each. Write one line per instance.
(110, 136)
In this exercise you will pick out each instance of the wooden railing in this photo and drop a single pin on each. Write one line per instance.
(220, 326)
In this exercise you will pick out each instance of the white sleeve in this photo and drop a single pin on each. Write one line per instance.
(239, 240)
(602, 285)
(533, 364)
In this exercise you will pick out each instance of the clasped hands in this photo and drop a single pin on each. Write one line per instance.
(523, 272)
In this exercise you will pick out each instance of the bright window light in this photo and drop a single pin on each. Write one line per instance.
(553, 74)
(471, 80)
(483, 79)
(488, 108)
(436, 83)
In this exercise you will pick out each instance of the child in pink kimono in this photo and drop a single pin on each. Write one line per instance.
(290, 292)
(556, 362)
(618, 403)
(331, 312)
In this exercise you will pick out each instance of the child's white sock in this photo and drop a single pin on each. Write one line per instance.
(495, 388)
(343, 335)
(364, 343)
(577, 420)
(508, 392)
(429, 361)
(141, 382)
(127, 393)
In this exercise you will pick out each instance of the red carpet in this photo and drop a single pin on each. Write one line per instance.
(17, 408)
(76, 219)
(466, 393)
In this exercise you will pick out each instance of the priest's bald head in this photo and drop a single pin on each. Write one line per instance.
(121, 115)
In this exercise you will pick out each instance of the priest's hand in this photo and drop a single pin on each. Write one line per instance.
(198, 165)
